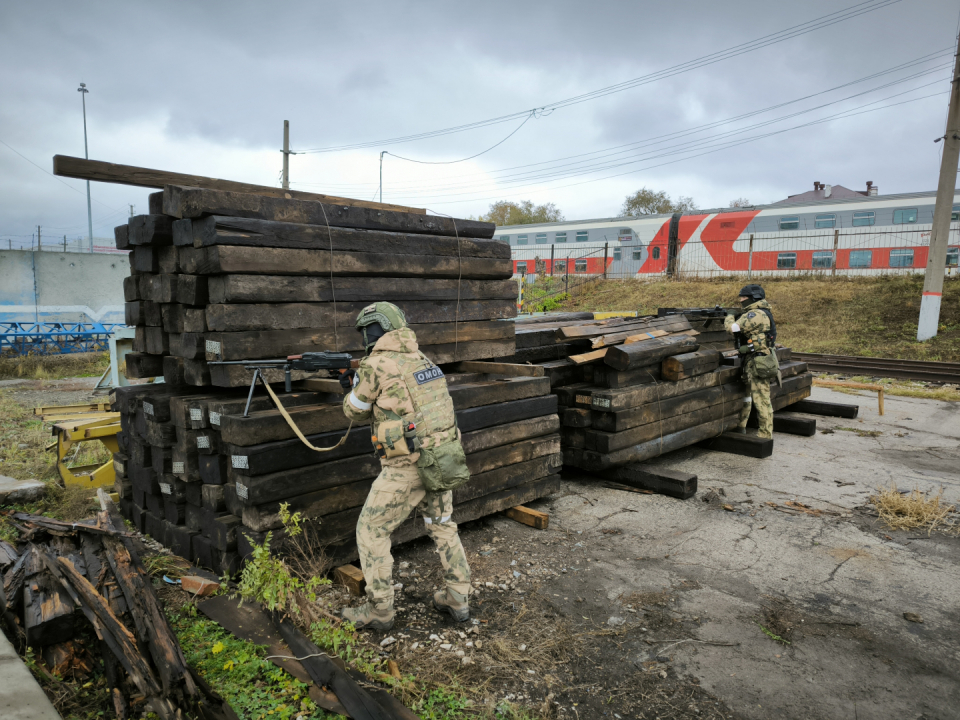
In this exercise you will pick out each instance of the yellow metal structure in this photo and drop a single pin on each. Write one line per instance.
(614, 314)
(73, 424)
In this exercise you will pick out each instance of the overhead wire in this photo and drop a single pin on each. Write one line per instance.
(658, 139)
(749, 46)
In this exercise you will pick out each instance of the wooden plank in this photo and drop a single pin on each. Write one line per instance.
(99, 171)
(826, 409)
(589, 357)
(628, 357)
(269, 425)
(591, 460)
(620, 327)
(227, 259)
(309, 479)
(519, 452)
(663, 481)
(508, 433)
(219, 230)
(131, 288)
(627, 337)
(605, 442)
(121, 237)
(350, 577)
(292, 288)
(138, 366)
(495, 368)
(651, 412)
(155, 230)
(687, 365)
(528, 516)
(622, 398)
(740, 444)
(255, 344)
(192, 289)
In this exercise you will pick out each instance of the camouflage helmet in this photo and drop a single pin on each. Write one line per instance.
(754, 292)
(388, 315)
(376, 320)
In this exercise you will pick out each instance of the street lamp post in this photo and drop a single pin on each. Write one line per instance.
(83, 94)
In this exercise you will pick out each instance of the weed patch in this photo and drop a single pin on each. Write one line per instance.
(48, 367)
(914, 510)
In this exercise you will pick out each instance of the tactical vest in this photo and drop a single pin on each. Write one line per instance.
(434, 417)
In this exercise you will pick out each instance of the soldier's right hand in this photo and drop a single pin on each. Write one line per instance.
(346, 379)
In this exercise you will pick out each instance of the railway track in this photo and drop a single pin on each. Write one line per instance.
(941, 372)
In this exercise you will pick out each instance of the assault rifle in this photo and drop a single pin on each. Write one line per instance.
(307, 362)
(700, 313)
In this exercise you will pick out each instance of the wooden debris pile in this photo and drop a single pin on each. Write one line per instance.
(65, 575)
(650, 386)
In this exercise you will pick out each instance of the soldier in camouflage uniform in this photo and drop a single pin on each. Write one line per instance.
(754, 325)
(397, 382)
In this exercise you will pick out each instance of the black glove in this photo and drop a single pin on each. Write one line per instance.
(346, 379)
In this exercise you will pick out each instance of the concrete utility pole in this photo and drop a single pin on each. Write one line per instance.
(286, 155)
(131, 211)
(381, 174)
(38, 237)
(86, 154)
(940, 234)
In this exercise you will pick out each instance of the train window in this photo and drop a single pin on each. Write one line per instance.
(727, 224)
(953, 256)
(560, 237)
(625, 235)
(583, 235)
(638, 254)
(522, 267)
(786, 261)
(505, 238)
(790, 223)
(521, 239)
(825, 221)
(955, 215)
(901, 257)
(617, 254)
(656, 253)
(580, 265)
(560, 266)
(864, 218)
(823, 259)
(861, 258)
(902, 217)
(541, 238)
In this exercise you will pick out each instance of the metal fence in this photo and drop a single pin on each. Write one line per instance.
(50, 244)
(824, 252)
(54, 338)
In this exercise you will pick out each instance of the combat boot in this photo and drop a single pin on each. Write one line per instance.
(452, 602)
(370, 616)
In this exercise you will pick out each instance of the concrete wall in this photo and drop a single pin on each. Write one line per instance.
(62, 287)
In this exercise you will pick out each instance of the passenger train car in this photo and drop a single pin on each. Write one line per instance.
(865, 234)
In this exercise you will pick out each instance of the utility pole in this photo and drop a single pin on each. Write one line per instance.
(38, 237)
(286, 155)
(929, 319)
(381, 174)
(86, 154)
(131, 211)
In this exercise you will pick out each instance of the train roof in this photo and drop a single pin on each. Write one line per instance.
(782, 205)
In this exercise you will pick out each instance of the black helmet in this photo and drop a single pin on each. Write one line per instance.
(754, 292)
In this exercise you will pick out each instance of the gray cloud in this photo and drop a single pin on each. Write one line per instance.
(204, 88)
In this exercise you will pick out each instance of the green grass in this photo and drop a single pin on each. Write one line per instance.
(255, 688)
(47, 367)
(875, 316)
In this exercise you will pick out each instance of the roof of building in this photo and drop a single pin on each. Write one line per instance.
(837, 192)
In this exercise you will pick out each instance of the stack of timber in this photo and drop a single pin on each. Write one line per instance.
(218, 275)
(222, 275)
(510, 433)
(645, 386)
(67, 583)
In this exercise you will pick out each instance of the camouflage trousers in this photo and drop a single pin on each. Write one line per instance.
(760, 399)
(395, 492)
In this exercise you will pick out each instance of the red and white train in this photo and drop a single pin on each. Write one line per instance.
(821, 231)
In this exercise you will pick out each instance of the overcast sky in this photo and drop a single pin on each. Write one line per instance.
(204, 88)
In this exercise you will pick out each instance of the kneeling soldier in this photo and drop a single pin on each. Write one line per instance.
(416, 437)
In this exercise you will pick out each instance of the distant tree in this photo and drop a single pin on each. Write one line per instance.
(524, 212)
(651, 202)
(740, 202)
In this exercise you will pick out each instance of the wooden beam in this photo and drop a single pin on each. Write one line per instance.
(529, 516)
(99, 171)
(826, 409)
(496, 368)
(740, 444)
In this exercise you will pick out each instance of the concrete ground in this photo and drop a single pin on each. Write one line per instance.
(838, 583)
(21, 698)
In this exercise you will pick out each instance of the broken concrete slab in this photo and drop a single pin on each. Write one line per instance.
(19, 491)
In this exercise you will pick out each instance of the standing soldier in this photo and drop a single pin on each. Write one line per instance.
(756, 333)
(416, 437)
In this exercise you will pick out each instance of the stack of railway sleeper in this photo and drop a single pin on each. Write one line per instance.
(227, 276)
(510, 431)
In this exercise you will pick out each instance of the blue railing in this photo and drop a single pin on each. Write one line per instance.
(54, 338)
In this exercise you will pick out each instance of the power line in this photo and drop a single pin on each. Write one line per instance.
(451, 162)
(703, 61)
(606, 162)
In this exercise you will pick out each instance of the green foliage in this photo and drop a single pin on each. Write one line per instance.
(651, 202)
(342, 640)
(266, 578)
(442, 704)
(504, 212)
(255, 688)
